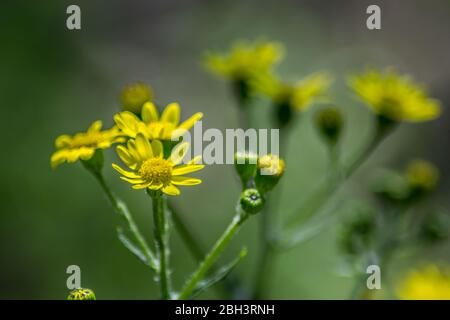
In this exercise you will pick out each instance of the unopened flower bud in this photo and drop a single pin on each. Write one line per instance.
(270, 170)
(329, 123)
(81, 294)
(134, 96)
(422, 176)
(245, 164)
(251, 201)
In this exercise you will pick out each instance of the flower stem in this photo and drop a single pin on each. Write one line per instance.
(161, 228)
(121, 209)
(322, 194)
(212, 256)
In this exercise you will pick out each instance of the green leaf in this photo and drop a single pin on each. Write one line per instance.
(220, 274)
(131, 246)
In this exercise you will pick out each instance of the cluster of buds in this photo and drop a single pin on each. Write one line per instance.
(258, 175)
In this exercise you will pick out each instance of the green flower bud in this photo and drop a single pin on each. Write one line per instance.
(270, 170)
(357, 233)
(422, 176)
(81, 294)
(251, 201)
(245, 164)
(134, 96)
(329, 122)
(390, 186)
(435, 227)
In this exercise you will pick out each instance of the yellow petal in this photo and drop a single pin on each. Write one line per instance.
(189, 123)
(131, 145)
(125, 173)
(95, 127)
(133, 181)
(155, 186)
(141, 186)
(125, 156)
(179, 152)
(185, 181)
(85, 153)
(171, 114)
(143, 147)
(187, 168)
(171, 190)
(195, 160)
(58, 158)
(63, 141)
(149, 112)
(157, 149)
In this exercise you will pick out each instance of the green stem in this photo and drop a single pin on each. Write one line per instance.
(121, 209)
(161, 228)
(212, 256)
(333, 182)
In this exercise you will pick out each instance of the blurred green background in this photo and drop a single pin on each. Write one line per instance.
(56, 81)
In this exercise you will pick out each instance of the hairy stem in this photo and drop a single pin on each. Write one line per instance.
(161, 228)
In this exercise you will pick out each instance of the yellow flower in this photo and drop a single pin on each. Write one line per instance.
(427, 283)
(270, 170)
(152, 125)
(422, 175)
(273, 164)
(135, 95)
(149, 168)
(245, 60)
(298, 96)
(394, 96)
(83, 145)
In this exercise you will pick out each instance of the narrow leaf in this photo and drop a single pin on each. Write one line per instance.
(220, 274)
(131, 246)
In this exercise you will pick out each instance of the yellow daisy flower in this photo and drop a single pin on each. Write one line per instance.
(151, 171)
(427, 283)
(83, 145)
(394, 96)
(245, 59)
(298, 96)
(153, 126)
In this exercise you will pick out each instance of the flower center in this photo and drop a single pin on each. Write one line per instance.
(156, 170)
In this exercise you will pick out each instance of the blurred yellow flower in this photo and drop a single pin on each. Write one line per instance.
(272, 163)
(83, 145)
(245, 60)
(270, 170)
(422, 175)
(427, 283)
(135, 95)
(151, 170)
(394, 96)
(299, 95)
(153, 126)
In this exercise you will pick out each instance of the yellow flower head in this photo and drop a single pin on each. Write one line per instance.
(427, 283)
(299, 95)
(153, 126)
(422, 175)
(273, 164)
(149, 168)
(245, 60)
(135, 95)
(394, 96)
(83, 145)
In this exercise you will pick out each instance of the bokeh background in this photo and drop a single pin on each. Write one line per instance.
(55, 81)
